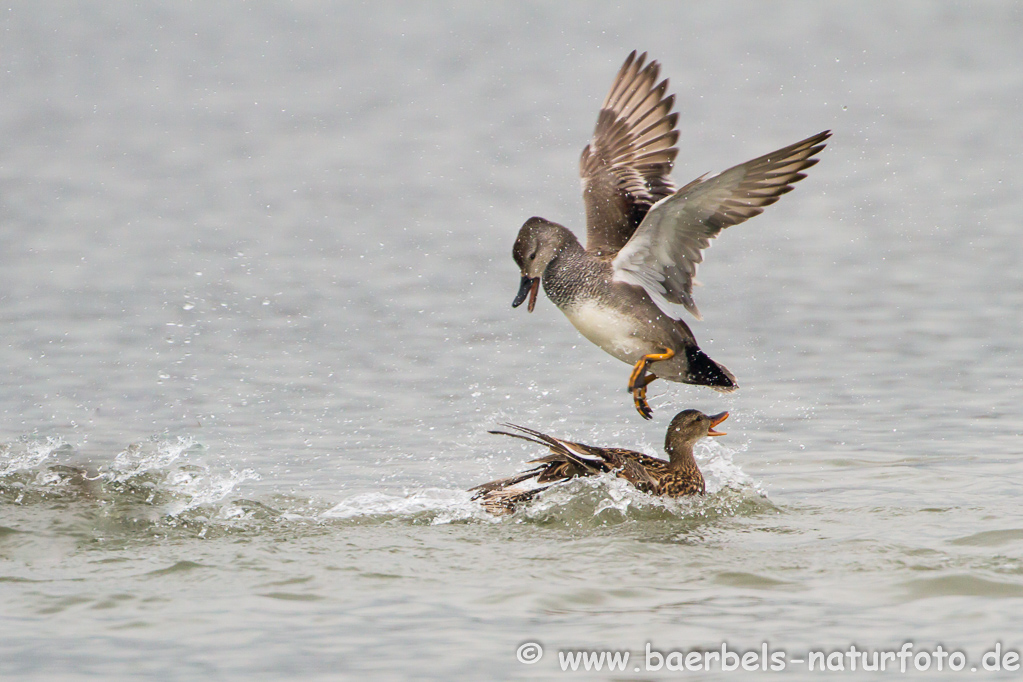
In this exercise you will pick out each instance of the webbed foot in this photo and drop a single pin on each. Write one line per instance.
(639, 380)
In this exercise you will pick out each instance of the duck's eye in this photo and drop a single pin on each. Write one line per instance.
(532, 256)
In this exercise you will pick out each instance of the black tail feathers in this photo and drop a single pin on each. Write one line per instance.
(705, 372)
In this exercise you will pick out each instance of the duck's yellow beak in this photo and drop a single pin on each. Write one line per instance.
(716, 419)
(529, 287)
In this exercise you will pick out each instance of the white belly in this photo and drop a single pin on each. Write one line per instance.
(611, 330)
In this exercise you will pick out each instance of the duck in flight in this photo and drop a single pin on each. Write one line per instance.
(644, 236)
(676, 477)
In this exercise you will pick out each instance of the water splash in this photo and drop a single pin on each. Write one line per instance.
(429, 505)
(180, 470)
(171, 476)
(29, 453)
(170, 482)
(155, 454)
(719, 470)
(590, 501)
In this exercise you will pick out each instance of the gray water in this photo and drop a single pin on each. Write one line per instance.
(255, 286)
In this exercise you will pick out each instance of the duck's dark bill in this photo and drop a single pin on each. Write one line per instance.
(716, 419)
(529, 287)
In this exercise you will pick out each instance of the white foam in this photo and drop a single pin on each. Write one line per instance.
(139, 458)
(204, 487)
(446, 505)
(176, 467)
(592, 496)
(719, 471)
(29, 453)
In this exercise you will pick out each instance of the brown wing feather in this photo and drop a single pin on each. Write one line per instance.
(625, 167)
(569, 460)
(761, 182)
(561, 464)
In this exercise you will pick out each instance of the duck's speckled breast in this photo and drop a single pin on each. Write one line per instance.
(575, 276)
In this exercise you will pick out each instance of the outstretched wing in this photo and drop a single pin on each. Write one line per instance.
(625, 167)
(663, 254)
(567, 460)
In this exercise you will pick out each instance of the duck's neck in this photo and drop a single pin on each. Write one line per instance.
(682, 461)
(567, 244)
(564, 274)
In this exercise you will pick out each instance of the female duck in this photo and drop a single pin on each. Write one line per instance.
(677, 476)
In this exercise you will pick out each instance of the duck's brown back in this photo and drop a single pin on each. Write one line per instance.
(650, 474)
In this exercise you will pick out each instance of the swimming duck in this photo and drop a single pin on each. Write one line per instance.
(677, 476)
(645, 237)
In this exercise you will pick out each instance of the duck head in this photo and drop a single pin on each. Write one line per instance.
(539, 242)
(689, 426)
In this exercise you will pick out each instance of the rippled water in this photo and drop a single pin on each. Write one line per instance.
(255, 296)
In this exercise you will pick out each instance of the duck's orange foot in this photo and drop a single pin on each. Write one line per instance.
(639, 380)
(639, 400)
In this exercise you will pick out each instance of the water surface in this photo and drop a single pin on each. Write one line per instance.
(255, 290)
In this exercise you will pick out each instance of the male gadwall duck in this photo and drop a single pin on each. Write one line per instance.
(673, 478)
(644, 237)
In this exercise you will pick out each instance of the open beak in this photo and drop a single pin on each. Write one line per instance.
(716, 419)
(529, 287)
